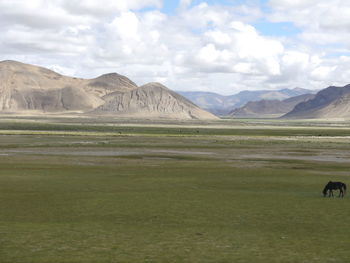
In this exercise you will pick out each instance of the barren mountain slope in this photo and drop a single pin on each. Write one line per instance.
(152, 100)
(28, 87)
(269, 108)
(108, 83)
(332, 102)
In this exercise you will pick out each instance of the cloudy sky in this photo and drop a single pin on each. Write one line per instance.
(222, 46)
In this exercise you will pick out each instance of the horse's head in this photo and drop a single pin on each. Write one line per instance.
(324, 191)
(328, 186)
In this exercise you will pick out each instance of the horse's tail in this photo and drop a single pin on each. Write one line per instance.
(344, 188)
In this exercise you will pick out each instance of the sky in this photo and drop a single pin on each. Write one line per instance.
(221, 46)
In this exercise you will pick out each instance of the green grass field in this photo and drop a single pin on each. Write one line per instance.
(247, 192)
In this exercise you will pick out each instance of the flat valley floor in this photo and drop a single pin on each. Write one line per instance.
(105, 190)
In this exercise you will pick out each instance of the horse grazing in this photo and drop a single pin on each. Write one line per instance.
(334, 186)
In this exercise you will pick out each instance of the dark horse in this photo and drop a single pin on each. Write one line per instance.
(334, 186)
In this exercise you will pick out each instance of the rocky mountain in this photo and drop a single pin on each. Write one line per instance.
(332, 102)
(269, 108)
(151, 100)
(223, 105)
(25, 88)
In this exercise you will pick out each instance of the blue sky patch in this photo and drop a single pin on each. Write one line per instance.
(170, 6)
(276, 29)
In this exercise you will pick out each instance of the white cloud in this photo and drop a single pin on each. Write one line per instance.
(322, 72)
(126, 26)
(184, 4)
(286, 4)
(106, 7)
(297, 59)
(218, 37)
(322, 21)
(244, 68)
(203, 47)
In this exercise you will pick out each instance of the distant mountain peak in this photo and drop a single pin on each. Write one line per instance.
(111, 75)
(269, 108)
(10, 62)
(154, 85)
(223, 105)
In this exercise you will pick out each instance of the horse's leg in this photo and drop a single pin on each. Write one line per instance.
(340, 192)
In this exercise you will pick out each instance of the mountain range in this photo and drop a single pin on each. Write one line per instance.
(28, 88)
(223, 105)
(269, 108)
(332, 102)
(32, 89)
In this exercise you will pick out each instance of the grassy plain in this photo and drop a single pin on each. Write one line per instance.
(119, 191)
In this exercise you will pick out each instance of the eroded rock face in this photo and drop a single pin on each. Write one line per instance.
(26, 87)
(332, 102)
(152, 99)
